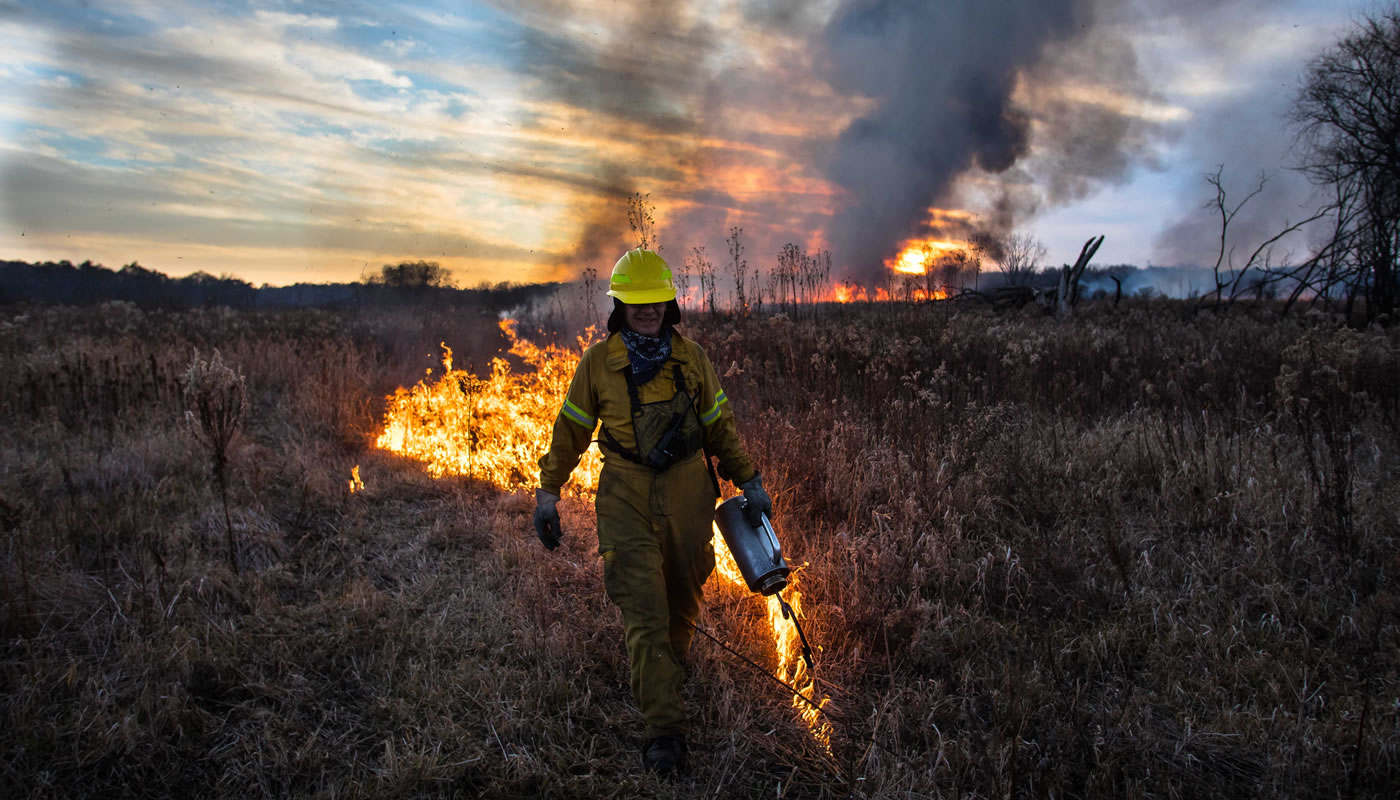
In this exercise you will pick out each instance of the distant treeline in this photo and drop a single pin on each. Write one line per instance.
(426, 284)
(410, 283)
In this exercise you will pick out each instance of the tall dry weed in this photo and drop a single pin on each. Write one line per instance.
(217, 398)
(1328, 387)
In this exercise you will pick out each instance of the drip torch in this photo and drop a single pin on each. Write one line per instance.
(760, 558)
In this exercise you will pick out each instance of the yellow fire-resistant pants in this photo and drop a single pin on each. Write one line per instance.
(654, 537)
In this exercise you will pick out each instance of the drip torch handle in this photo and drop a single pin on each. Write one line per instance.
(773, 543)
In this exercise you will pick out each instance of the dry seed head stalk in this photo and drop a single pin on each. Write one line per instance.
(217, 397)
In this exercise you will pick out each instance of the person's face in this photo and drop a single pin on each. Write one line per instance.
(644, 318)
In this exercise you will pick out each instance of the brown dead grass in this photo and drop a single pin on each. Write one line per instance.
(1111, 558)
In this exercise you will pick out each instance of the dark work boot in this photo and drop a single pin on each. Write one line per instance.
(664, 755)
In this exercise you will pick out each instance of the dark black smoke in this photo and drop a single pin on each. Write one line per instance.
(942, 77)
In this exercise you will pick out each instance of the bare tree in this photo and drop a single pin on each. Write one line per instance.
(908, 284)
(980, 247)
(1229, 273)
(785, 275)
(413, 275)
(886, 283)
(929, 263)
(1348, 117)
(814, 270)
(1332, 269)
(952, 266)
(589, 295)
(1021, 254)
(1068, 293)
(682, 276)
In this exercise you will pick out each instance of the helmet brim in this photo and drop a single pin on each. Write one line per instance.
(641, 297)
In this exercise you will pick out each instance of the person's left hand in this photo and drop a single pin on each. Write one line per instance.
(756, 500)
(547, 519)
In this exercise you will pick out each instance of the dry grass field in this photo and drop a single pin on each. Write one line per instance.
(1137, 554)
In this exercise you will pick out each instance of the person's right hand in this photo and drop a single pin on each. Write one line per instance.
(756, 501)
(547, 519)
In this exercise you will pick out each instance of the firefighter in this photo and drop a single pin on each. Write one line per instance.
(663, 414)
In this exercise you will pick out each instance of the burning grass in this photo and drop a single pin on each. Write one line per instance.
(1139, 555)
(489, 428)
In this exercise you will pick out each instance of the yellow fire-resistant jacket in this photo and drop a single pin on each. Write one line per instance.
(598, 393)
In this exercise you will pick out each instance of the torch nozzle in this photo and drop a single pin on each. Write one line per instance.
(788, 613)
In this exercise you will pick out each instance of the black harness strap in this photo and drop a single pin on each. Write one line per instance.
(614, 445)
(714, 481)
(633, 455)
(632, 394)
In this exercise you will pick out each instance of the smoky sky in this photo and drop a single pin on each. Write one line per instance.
(1240, 142)
(942, 76)
(952, 89)
(940, 80)
(987, 89)
(637, 79)
(1247, 138)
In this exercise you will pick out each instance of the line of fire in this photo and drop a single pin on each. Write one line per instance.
(493, 428)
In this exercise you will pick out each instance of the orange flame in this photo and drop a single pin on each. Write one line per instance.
(491, 428)
(850, 293)
(356, 484)
(496, 428)
(918, 255)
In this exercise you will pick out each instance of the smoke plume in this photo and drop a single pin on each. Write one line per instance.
(965, 88)
(1001, 109)
(632, 87)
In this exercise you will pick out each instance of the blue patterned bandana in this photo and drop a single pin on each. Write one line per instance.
(647, 353)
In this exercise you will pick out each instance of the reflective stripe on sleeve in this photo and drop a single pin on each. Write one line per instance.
(710, 416)
(576, 414)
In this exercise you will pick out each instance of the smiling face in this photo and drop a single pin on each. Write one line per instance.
(644, 318)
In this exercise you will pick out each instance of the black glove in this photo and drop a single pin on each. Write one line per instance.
(547, 519)
(756, 500)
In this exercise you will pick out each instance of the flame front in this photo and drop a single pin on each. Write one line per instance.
(355, 483)
(850, 292)
(491, 428)
(496, 428)
(918, 255)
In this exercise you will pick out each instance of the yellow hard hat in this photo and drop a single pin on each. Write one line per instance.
(641, 277)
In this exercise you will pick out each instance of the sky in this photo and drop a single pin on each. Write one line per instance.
(286, 142)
